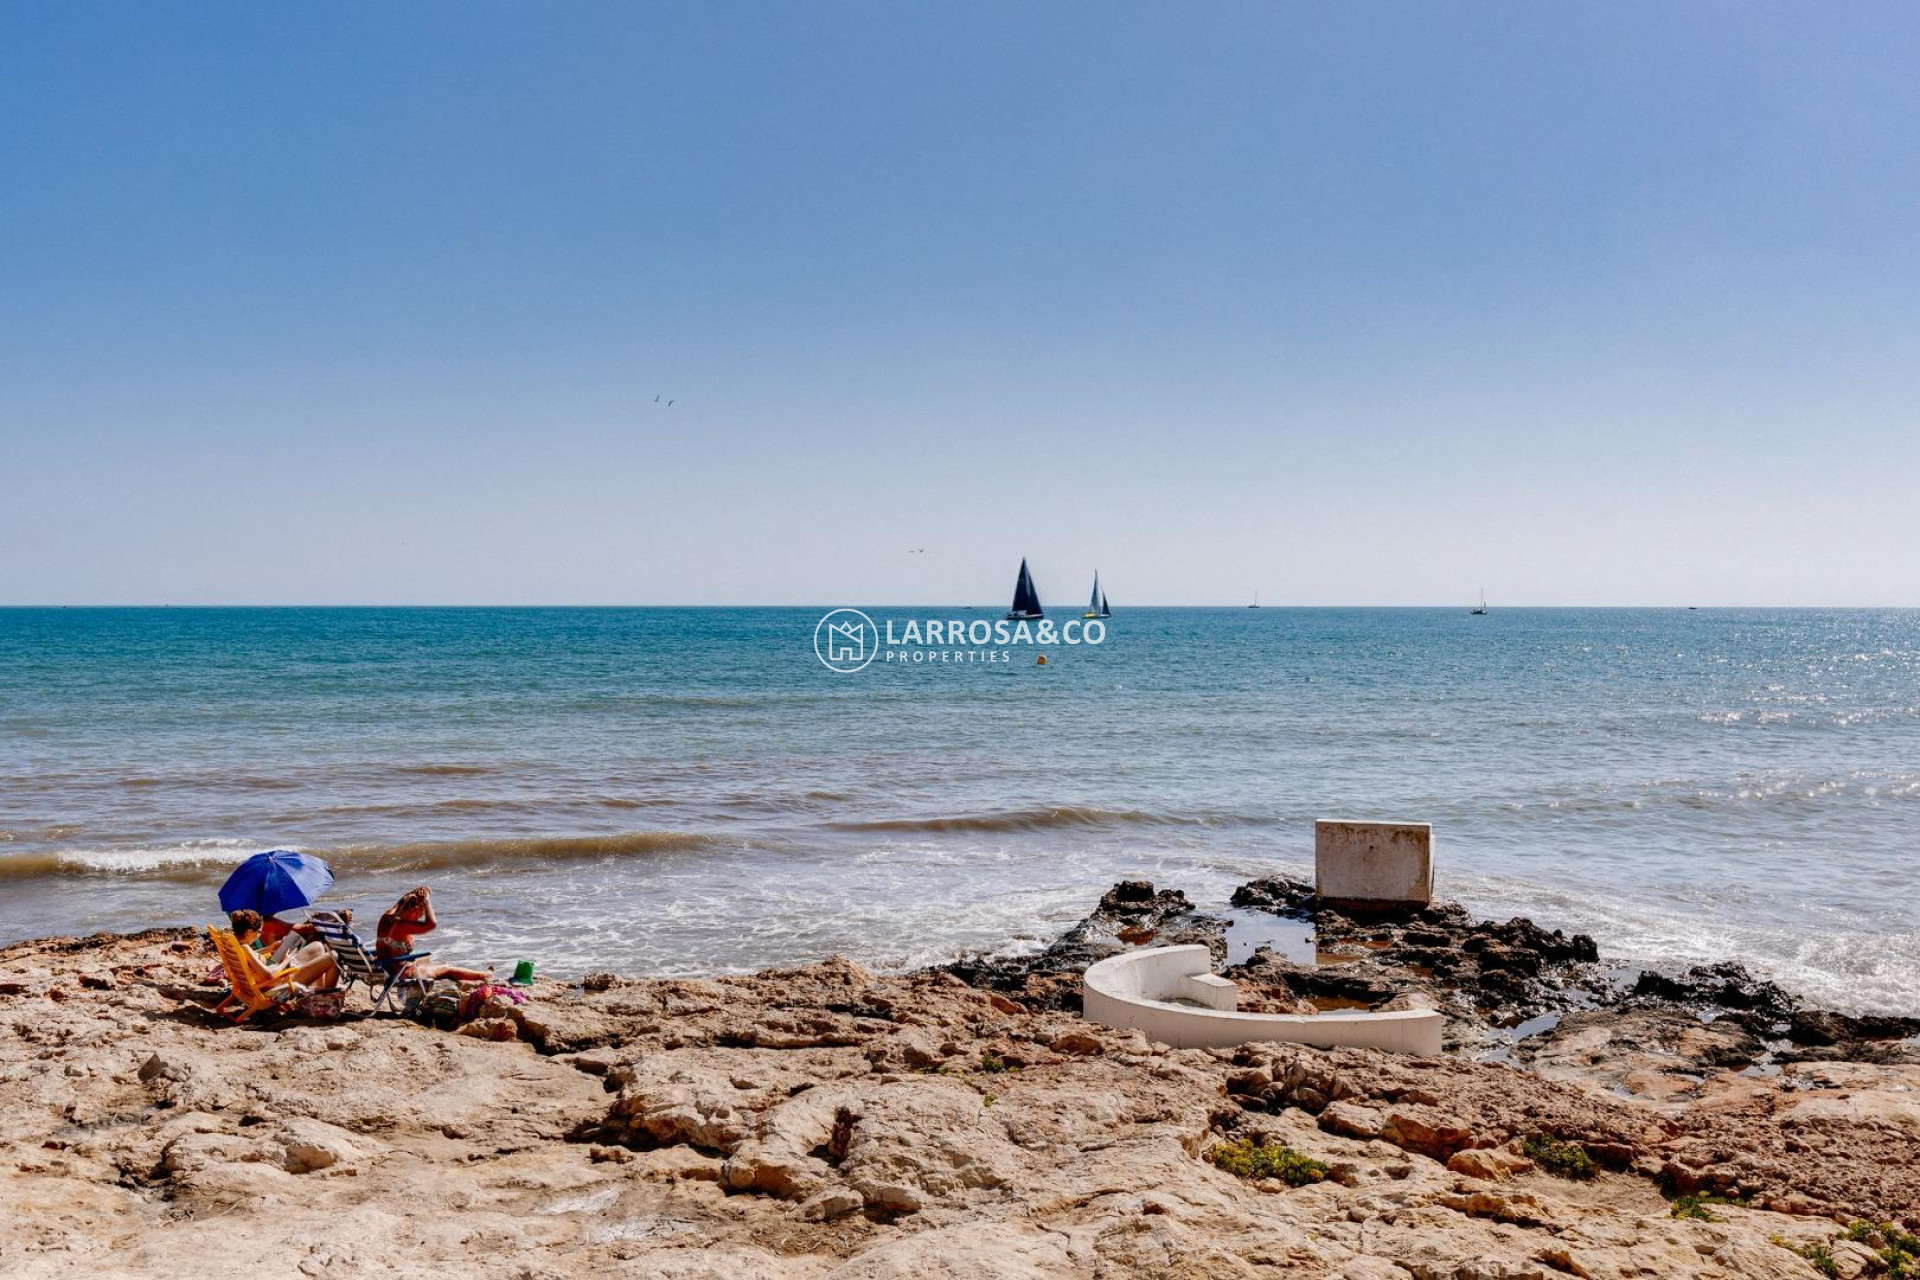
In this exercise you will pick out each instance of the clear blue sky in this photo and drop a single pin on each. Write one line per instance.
(1585, 303)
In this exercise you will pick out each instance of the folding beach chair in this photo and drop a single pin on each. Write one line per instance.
(255, 987)
(357, 964)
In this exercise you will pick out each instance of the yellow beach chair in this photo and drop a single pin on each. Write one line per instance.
(255, 987)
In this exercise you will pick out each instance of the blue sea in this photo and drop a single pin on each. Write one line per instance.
(693, 791)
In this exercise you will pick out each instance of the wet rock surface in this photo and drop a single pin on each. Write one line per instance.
(827, 1121)
(1725, 986)
(1514, 990)
(1131, 914)
(1485, 976)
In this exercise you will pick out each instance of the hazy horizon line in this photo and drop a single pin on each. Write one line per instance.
(1064, 610)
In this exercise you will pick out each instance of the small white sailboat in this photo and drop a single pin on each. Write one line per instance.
(1256, 599)
(1097, 603)
(1483, 604)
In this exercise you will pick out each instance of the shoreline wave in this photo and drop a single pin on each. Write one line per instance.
(202, 859)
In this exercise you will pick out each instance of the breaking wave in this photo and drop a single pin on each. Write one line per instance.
(207, 859)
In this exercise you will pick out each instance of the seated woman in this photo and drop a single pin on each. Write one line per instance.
(273, 938)
(316, 974)
(405, 921)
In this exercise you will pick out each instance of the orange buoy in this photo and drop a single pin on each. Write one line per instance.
(1040, 661)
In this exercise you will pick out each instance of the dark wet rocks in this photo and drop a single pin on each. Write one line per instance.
(1350, 985)
(1725, 986)
(1131, 914)
(1278, 894)
(1482, 974)
(1821, 1035)
(1520, 943)
(1488, 976)
(1822, 1026)
(1729, 993)
(1509, 989)
(1134, 914)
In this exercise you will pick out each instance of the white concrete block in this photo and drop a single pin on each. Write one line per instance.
(1139, 989)
(1373, 862)
(1211, 990)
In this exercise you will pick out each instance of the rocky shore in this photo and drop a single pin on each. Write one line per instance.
(827, 1121)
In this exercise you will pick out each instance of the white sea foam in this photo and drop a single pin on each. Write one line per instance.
(134, 861)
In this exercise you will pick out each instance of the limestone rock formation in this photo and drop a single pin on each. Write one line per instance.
(826, 1121)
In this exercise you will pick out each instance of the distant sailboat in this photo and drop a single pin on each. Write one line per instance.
(1483, 604)
(1106, 610)
(1026, 600)
(1096, 603)
(1256, 600)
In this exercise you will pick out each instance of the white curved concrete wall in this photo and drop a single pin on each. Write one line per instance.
(1138, 990)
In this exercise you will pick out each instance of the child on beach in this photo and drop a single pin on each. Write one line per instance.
(406, 920)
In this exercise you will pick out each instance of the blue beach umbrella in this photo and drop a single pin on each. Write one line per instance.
(274, 881)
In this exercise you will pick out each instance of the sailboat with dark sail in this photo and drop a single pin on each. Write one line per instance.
(1026, 599)
(1097, 603)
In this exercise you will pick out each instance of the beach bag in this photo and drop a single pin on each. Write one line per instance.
(439, 1005)
(323, 1005)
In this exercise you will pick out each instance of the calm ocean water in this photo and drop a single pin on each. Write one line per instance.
(690, 790)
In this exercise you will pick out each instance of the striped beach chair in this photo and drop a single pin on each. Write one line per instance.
(358, 964)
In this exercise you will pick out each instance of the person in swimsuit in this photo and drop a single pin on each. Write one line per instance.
(405, 921)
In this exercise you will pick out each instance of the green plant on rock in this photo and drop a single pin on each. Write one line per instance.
(1898, 1250)
(993, 1064)
(1695, 1205)
(1246, 1159)
(1821, 1257)
(1557, 1157)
